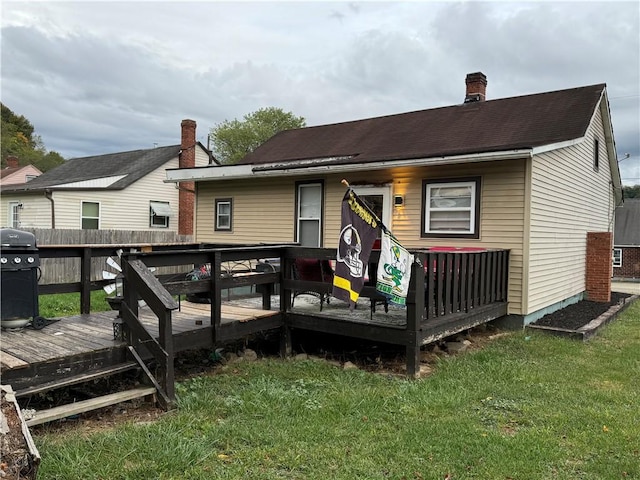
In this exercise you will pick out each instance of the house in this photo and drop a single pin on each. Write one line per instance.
(535, 174)
(626, 240)
(14, 174)
(121, 191)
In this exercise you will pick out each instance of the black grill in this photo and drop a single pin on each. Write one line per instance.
(19, 263)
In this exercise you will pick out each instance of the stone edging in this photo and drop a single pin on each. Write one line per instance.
(590, 329)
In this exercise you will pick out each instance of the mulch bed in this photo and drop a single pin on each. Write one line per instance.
(579, 314)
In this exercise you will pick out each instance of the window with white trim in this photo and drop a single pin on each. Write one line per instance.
(90, 216)
(159, 213)
(14, 214)
(309, 214)
(617, 257)
(224, 211)
(451, 208)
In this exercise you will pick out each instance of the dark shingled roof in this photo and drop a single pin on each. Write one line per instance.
(627, 228)
(135, 165)
(496, 125)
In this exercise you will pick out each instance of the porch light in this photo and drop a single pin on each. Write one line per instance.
(398, 200)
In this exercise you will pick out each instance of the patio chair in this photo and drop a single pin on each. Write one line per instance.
(313, 270)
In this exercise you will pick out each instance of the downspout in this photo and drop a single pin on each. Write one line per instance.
(49, 194)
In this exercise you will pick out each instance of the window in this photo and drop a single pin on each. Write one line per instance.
(224, 210)
(617, 257)
(14, 214)
(451, 208)
(309, 214)
(159, 213)
(596, 154)
(90, 218)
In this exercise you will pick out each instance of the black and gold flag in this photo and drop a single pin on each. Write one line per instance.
(358, 231)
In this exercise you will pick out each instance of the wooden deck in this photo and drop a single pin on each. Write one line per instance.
(82, 342)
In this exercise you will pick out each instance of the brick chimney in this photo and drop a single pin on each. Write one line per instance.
(476, 87)
(12, 162)
(186, 194)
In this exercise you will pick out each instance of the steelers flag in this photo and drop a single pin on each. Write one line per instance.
(358, 230)
(394, 270)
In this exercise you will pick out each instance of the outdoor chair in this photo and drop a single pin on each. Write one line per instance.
(313, 270)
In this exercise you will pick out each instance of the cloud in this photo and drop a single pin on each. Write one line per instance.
(98, 77)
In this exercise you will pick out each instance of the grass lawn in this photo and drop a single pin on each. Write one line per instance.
(527, 406)
(67, 304)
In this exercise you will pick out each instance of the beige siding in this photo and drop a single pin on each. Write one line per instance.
(568, 199)
(264, 210)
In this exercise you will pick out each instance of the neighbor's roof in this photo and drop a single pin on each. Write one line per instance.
(627, 225)
(131, 166)
(522, 122)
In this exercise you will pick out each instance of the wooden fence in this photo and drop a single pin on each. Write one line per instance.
(67, 270)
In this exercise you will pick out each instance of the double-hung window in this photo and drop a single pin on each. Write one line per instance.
(224, 210)
(159, 213)
(451, 208)
(617, 257)
(309, 214)
(90, 217)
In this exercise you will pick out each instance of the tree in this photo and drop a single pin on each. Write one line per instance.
(631, 191)
(233, 139)
(19, 140)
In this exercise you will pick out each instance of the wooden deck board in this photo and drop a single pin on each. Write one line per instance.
(84, 334)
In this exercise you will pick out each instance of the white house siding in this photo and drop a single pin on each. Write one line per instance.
(264, 210)
(35, 212)
(126, 209)
(568, 199)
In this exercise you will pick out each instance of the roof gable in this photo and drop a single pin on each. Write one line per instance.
(128, 166)
(522, 122)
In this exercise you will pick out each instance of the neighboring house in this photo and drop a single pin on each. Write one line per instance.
(14, 174)
(626, 240)
(534, 174)
(121, 191)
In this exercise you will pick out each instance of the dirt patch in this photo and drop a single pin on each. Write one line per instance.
(18, 459)
(579, 314)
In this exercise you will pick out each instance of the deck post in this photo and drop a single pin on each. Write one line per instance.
(286, 347)
(216, 293)
(165, 334)
(85, 281)
(415, 312)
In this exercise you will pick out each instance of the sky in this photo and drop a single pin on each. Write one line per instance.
(102, 77)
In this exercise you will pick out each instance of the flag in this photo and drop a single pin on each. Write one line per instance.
(394, 270)
(358, 230)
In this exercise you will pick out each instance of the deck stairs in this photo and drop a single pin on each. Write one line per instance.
(75, 408)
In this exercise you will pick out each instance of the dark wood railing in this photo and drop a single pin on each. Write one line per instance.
(448, 289)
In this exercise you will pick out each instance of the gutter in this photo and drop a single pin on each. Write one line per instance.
(320, 165)
(49, 194)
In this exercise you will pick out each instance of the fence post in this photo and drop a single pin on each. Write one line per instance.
(85, 281)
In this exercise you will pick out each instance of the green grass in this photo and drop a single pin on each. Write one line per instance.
(67, 304)
(524, 407)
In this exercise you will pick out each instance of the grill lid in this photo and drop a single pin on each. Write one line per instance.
(17, 239)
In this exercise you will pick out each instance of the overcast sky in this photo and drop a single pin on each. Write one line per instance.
(102, 77)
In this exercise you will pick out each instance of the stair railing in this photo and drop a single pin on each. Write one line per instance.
(140, 283)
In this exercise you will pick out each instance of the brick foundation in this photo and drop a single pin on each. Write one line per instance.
(599, 266)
